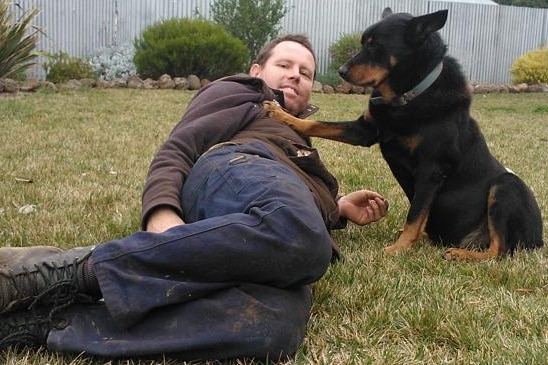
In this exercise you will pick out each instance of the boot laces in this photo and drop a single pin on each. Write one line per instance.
(28, 328)
(56, 285)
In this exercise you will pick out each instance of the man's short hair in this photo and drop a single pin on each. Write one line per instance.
(266, 51)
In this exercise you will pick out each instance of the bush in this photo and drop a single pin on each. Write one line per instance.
(531, 68)
(115, 62)
(17, 41)
(331, 77)
(253, 21)
(343, 49)
(180, 47)
(61, 67)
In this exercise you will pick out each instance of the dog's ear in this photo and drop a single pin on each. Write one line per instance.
(386, 12)
(421, 27)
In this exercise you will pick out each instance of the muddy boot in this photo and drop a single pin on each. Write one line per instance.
(27, 328)
(42, 275)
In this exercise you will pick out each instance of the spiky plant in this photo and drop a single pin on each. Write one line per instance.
(17, 41)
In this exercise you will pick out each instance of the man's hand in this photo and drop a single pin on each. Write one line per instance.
(162, 219)
(363, 207)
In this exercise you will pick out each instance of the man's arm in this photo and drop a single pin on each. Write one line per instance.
(163, 218)
(214, 115)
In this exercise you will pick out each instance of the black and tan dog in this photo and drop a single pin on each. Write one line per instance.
(419, 113)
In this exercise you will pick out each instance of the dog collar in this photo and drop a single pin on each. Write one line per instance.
(414, 92)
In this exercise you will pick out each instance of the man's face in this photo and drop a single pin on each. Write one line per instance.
(290, 69)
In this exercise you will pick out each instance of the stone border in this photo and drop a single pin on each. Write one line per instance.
(192, 82)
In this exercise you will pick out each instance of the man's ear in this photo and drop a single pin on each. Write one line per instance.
(255, 70)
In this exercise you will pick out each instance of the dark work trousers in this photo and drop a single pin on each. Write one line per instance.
(232, 282)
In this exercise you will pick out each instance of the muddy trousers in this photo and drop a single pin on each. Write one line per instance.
(232, 282)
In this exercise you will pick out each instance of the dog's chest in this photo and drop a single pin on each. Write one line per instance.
(404, 145)
(402, 153)
(410, 143)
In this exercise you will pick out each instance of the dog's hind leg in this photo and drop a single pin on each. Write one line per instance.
(513, 219)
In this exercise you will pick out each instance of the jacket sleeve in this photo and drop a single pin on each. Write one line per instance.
(214, 115)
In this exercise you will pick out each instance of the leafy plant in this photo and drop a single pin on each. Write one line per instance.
(253, 21)
(180, 47)
(61, 67)
(531, 68)
(331, 77)
(17, 41)
(115, 62)
(344, 48)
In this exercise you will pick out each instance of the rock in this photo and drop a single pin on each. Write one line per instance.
(165, 82)
(29, 85)
(181, 83)
(101, 84)
(194, 82)
(48, 85)
(70, 84)
(317, 87)
(344, 88)
(503, 89)
(8, 86)
(117, 83)
(513, 89)
(483, 89)
(150, 84)
(537, 88)
(328, 89)
(357, 90)
(521, 87)
(135, 82)
(89, 83)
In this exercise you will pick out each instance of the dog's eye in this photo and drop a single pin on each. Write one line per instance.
(370, 42)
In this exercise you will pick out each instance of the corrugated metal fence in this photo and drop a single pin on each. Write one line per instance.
(485, 38)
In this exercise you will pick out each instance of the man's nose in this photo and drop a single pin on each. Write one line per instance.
(295, 73)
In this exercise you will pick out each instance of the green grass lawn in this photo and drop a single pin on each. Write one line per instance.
(77, 160)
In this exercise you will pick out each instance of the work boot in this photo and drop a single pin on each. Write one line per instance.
(44, 275)
(20, 256)
(27, 328)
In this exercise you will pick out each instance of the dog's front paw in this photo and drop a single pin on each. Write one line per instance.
(271, 106)
(403, 243)
(396, 248)
(274, 110)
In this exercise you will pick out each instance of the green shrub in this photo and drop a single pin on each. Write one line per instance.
(331, 77)
(17, 41)
(252, 21)
(344, 48)
(531, 68)
(180, 47)
(61, 67)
